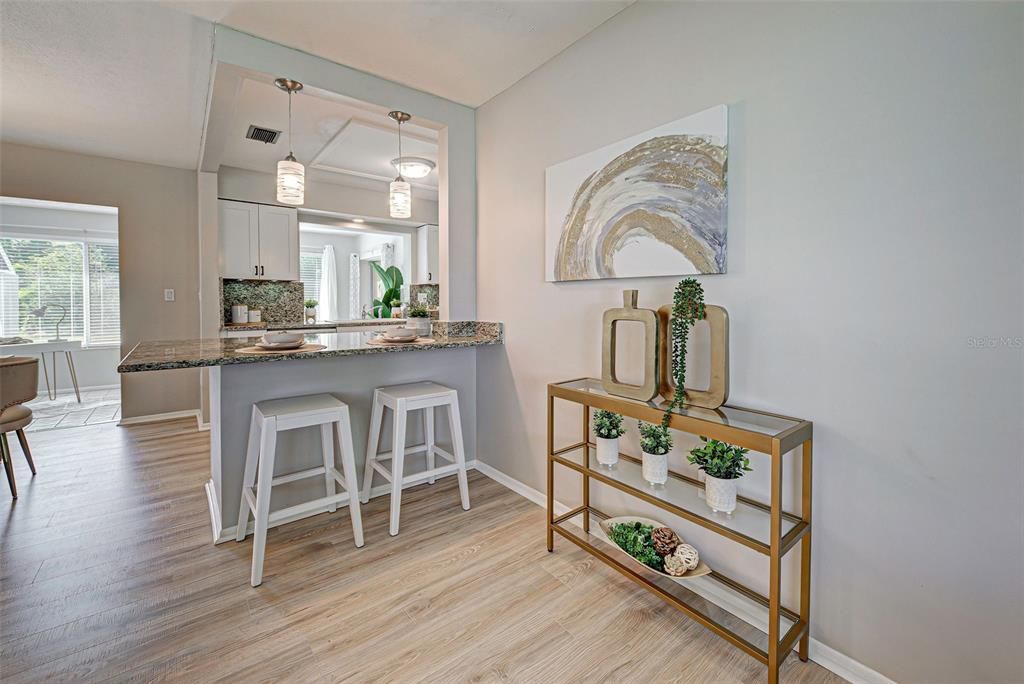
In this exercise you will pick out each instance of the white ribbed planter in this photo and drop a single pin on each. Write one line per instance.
(420, 325)
(720, 494)
(607, 450)
(655, 468)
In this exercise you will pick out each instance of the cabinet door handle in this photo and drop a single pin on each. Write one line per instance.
(256, 270)
(263, 271)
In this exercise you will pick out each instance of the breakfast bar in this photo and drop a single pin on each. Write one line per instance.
(348, 365)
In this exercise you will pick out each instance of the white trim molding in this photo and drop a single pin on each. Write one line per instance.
(161, 417)
(826, 656)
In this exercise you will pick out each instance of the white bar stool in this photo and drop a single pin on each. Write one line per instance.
(278, 415)
(401, 399)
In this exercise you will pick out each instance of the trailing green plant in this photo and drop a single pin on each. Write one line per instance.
(311, 303)
(418, 311)
(655, 439)
(635, 539)
(720, 459)
(391, 280)
(608, 424)
(687, 308)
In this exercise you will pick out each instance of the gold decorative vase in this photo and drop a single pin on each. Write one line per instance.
(718, 389)
(648, 389)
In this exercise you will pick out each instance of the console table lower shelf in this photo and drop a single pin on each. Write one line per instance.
(695, 597)
(758, 625)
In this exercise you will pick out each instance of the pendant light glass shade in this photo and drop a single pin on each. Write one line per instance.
(401, 198)
(291, 181)
(291, 175)
(401, 191)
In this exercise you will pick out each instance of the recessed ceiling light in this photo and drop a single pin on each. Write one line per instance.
(358, 220)
(413, 167)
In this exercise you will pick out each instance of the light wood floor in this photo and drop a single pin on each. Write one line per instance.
(107, 573)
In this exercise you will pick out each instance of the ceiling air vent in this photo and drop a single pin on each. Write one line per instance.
(263, 135)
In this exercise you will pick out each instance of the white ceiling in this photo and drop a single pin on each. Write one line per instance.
(337, 138)
(111, 79)
(464, 51)
(130, 80)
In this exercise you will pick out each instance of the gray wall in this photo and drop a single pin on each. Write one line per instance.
(157, 242)
(875, 236)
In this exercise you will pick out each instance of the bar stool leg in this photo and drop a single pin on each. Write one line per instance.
(348, 465)
(252, 457)
(455, 420)
(327, 438)
(397, 464)
(268, 446)
(372, 442)
(428, 437)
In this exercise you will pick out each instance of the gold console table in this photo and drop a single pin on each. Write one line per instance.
(765, 528)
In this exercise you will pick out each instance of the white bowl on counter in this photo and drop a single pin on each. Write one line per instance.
(400, 334)
(281, 340)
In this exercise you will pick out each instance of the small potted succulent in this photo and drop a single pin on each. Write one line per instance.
(722, 464)
(608, 428)
(419, 319)
(311, 310)
(655, 442)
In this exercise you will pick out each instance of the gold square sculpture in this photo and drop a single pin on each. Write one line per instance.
(718, 389)
(629, 312)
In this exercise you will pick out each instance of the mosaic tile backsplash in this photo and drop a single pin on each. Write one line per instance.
(280, 301)
(433, 292)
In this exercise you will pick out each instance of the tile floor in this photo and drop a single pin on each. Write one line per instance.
(98, 406)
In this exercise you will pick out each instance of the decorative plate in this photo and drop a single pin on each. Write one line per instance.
(606, 527)
(280, 346)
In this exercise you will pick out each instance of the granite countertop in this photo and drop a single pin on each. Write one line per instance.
(174, 354)
(362, 322)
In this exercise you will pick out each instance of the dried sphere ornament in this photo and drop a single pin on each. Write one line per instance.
(688, 555)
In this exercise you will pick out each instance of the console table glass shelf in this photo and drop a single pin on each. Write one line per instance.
(763, 527)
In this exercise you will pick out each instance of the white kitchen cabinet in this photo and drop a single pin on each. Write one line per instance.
(279, 243)
(239, 239)
(258, 241)
(426, 255)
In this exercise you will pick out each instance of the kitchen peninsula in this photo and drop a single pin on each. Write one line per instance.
(349, 366)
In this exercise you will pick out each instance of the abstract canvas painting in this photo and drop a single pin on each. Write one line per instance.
(653, 204)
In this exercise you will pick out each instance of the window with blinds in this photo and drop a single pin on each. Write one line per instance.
(78, 280)
(309, 274)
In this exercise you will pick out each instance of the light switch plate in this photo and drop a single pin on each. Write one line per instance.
(168, 295)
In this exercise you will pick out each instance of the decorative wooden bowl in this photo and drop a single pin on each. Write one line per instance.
(606, 527)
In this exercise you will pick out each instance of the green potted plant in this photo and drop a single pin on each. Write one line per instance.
(655, 442)
(608, 428)
(311, 310)
(419, 319)
(687, 308)
(391, 280)
(723, 464)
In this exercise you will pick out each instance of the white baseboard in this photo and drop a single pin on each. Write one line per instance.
(826, 656)
(71, 390)
(845, 666)
(160, 417)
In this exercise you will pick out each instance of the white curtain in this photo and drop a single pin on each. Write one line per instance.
(329, 309)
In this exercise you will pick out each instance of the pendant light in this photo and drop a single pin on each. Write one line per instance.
(291, 175)
(401, 191)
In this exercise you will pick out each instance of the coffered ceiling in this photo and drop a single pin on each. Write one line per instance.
(340, 138)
